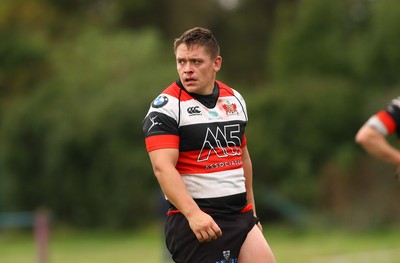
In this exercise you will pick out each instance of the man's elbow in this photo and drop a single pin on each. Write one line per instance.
(368, 136)
(360, 138)
(364, 135)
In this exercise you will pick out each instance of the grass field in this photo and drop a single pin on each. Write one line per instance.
(289, 246)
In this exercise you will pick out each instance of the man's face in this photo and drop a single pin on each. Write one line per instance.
(196, 68)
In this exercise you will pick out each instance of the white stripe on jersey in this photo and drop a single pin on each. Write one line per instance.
(217, 184)
(378, 125)
(169, 108)
(193, 112)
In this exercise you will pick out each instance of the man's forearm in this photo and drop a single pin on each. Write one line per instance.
(175, 190)
(377, 145)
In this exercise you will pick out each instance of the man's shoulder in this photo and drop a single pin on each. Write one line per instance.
(168, 94)
(222, 85)
(172, 90)
(226, 90)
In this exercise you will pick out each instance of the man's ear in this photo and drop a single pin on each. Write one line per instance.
(217, 63)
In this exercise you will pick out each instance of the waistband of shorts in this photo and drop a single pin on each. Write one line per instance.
(245, 209)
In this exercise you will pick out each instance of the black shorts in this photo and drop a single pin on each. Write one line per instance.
(185, 248)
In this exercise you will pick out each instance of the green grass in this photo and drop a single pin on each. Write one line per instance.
(330, 245)
(300, 246)
(85, 246)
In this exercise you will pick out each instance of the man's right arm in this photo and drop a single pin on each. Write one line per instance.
(171, 183)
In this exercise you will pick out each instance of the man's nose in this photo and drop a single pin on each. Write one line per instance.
(187, 68)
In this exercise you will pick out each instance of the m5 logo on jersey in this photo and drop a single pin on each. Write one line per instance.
(223, 142)
(193, 111)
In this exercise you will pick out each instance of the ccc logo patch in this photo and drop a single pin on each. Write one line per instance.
(193, 110)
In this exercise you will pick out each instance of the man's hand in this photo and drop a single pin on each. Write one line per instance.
(204, 227)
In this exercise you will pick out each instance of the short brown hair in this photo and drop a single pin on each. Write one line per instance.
(199, 36)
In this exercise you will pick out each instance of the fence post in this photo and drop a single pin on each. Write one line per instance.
(42, 232)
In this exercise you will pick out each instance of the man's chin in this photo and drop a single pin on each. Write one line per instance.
(192, 88)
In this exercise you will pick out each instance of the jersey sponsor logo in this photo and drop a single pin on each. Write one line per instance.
(227, 259)
(223, 164)
(214, 141)
(230, 108)
(226, 254)
(153, 122)
(160, 101)
(213, 114)
(193, 111)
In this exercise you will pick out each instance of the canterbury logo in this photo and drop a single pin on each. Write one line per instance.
(193, 110)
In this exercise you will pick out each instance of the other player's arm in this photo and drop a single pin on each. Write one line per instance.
(376, 144)
(171, 183)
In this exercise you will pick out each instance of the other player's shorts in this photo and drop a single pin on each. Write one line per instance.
(185, 248)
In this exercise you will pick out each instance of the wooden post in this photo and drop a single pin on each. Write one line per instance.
(42, 232)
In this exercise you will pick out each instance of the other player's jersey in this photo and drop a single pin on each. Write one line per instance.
(387, 121)
(209, 133)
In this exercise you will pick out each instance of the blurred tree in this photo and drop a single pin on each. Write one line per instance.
(382, 57)
(313, 40)
(320, 61)
(245, 34)
(23, 56)
(76, 146)
(295, 128)
(76, 78)
(23, 63)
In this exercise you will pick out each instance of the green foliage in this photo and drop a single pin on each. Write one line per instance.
(313, 41)
(297, 126)
(23, 62)
(383, 57)
(76, 83)
(77, 145)
(329, 60)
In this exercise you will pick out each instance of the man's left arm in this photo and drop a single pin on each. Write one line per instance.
(248, 174)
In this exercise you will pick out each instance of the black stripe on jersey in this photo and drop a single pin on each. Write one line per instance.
(157, 123)
(226, 204)
(394, 111)
(207, 100)
(207, 135)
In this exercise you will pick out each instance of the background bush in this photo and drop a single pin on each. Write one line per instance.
(77, 79)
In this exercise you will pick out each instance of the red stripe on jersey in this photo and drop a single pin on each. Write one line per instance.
(174, 90)
(245, 209)
(224, 91)
(244, 140)
(387, 120)
(161, 141)
(188, 162)
(248, 207)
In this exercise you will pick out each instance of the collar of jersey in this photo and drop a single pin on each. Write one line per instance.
(207, 100)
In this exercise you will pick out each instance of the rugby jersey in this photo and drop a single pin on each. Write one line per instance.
(387, 121)
(209, 131)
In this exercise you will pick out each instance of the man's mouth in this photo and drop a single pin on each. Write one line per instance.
(190, 79)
